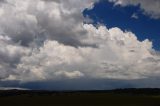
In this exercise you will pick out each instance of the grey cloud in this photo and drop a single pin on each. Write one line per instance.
(10, 55)
(3, 1)
(59, 20)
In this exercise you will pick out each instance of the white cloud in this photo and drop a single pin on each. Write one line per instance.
(47, 40)
(135, 16)
(150, 7)
(119, 55)
(74, 74)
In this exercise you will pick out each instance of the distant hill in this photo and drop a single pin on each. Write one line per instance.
(133, 91)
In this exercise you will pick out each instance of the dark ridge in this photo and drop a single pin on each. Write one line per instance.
(117, 97)
(130, 91)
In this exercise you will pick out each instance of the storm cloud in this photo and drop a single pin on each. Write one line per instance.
(47, 41)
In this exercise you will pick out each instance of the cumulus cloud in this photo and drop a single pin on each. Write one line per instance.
(10, 55)
(118, 55)
(46, 40)
(149, 7)
(57, 20)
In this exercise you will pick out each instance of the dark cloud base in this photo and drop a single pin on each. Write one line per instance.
(83, 84)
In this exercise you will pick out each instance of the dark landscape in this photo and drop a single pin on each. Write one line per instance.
(119, 97)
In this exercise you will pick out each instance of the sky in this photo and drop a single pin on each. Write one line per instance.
(79, 44)
(130, 18)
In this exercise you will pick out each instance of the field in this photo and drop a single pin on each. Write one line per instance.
(131, 97)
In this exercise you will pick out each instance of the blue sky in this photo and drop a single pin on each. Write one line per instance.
(144, 27)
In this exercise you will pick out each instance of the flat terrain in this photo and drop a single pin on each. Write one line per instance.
(127, 97)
